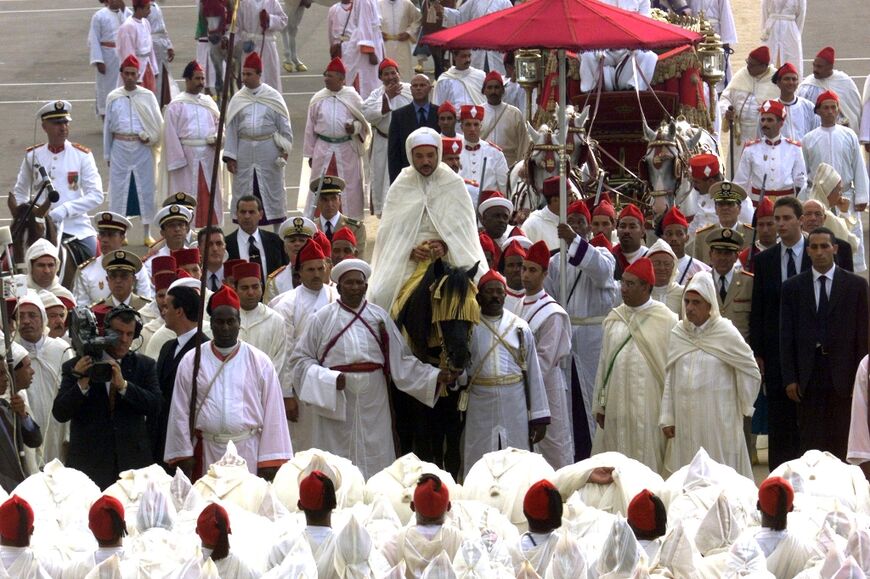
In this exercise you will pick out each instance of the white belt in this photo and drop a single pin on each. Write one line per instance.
(257, 138)
(590, 321)
(786, 17)
(257, 35)
(225, 438)
(195, 142)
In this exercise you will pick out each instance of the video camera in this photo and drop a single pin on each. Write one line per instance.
(86, 341)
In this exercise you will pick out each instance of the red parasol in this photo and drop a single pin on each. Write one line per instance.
(578, 25)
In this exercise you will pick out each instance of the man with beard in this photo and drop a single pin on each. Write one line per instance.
(826, 78)
(503, 124)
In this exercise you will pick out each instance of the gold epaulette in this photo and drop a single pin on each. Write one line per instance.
(494, 145)
(747, 273)
(707, 227)
(28, 149)
(747, 226)
(752, 142)
(277, 271)
(87, 263)
(793, 142)
(351, 221)
(80, 147)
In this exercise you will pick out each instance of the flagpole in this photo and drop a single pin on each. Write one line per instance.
(563, 178)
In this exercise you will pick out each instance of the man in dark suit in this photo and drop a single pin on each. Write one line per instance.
(108, 433)
(771, 267)
(15, 423)
(251, 243)
(180, 314)
(406, 120)
(822, 340)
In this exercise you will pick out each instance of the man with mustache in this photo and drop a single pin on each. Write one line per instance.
(631, 232)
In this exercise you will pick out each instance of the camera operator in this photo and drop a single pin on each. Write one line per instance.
(108, 433)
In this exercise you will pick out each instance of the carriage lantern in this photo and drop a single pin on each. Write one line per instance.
(528, 65)
(712, 55)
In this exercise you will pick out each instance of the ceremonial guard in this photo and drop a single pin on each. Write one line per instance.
(460, 84)
(800, 117)
(354, 29)
(733, 283)
(259, 140)
(134, 39)
(261, 326)
(503, 124)
(260, 21)
(826, 78)
(73, 172)
(102, 45)
(91, 284)
(174, 222)
(121, 268)
(189, 135)
(295, 231)
(131, 145)
(475, 150)
(400, 22)
(772, 162)
(675, 231)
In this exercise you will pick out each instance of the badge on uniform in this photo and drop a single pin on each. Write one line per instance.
(72, 179)
(100, 285)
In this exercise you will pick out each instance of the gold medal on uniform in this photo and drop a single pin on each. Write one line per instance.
(72, 179)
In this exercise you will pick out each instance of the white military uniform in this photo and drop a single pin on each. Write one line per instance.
(91, 285)
(780, 160)
(472, 157)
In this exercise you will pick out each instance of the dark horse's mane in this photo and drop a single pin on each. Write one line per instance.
(415, 318)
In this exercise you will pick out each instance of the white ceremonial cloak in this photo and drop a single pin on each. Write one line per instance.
(505, 126)
(258, 137)
(459, 87)
(745, 93)
(782, 23)
(355, 422)
(541, 226)
(102, 39)
(189, 133)
(442, 202)
(399, 16)
(134, 38)
(371, 110)
(263, 328)
(592, 293)
(498, 413)
(671, 295)
(358, 31)
(134, 115)
(252, 34)
(325, 136)
(842, 84)
(630, 381)
(419, 545)
(238, 396)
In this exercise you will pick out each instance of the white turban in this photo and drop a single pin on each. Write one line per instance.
(824, 181)
(346, 265)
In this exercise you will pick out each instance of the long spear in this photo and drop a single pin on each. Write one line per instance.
(197, 357)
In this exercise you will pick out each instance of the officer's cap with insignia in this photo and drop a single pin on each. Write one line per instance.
(727, 191)
(173, 213)
(332, 185)
(112, 221)
(726, 239)
(180, 198)
(297, 226)
(55, 112)
(122, 260)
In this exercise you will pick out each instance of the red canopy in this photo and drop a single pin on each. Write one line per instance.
(578, 25)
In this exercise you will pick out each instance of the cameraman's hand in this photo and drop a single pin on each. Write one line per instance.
(82, 367)
(118, 383)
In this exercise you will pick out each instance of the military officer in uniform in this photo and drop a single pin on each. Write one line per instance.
(295, 232)
(728, 198)
(73, 173)
(90, 283)
(733, 283)
(121, 268)
(184, 200)
(331, 219)
(174, 222)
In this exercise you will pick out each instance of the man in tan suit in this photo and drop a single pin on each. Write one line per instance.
(728, 198)
(733, 283)
(121, 268)
(331, 219)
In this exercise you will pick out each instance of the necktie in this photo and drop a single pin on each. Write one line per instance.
(722, 290)
(214, 282)
(790, 269)
(421, 117)
(254, 254)
(328, 230)
(822, 311)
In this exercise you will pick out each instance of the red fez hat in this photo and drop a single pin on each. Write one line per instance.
(68, 303)
(16, 519)
(493, 75)
(488, 245)
(325, 246)
(431, 497)
(773, 107)
(643, 269)
(605, 208)
(336, 65)
(775, 496)
(471, 112)
(161, 263)
(344, 234)
(787, 68)
(674, 217)
(386, 63)
(539, 253)
(641, 513)
(539, 502)
(309, 252)
(230, 264)
(253, 62)
(450, 146)
(181, 273)
(580, 208)
(163, 279)
(314, 490)
(246, 269)
(491, 275)
(761, 55)
(106, 519)
(226, 296)
(764, 209)
(130, 62)
(828, 95)
(631, 210)
(213, 524)
(551, 187)
(447, 107)
(827, 54)
(100, 311)
(514, 248)
(704, 166)
(186, 256)
(601, 240)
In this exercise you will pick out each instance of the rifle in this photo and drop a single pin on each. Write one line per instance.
(752, 248)
(521, 351)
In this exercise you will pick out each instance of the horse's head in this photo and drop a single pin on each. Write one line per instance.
(455, 312)
(662, 163)
(30, 227)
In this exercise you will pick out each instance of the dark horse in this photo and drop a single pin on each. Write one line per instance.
(437, 319)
